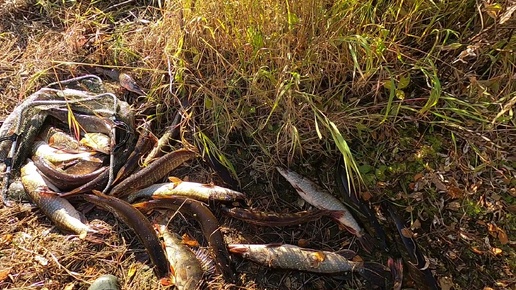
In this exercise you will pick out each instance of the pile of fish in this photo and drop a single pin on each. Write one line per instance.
(73, 141)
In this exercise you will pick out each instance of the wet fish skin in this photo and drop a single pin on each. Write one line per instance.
(209, 225)
(187, 270)
(97, 141)
(272, 219)
(43, 150)
(285, 256)
(152, 173)
(61, 179)
(140, 225)
(198, 191)
(58, 209)
(322, 199)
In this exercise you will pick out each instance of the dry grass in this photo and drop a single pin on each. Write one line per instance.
(418, 93)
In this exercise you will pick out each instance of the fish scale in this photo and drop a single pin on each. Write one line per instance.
(318, 197)
(58, 209)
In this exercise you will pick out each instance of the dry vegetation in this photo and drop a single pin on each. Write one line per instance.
(422, 91)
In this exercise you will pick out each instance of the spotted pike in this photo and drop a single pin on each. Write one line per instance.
(198, 191)
(209, 225)
(272, 219)
(320, 198)
(58, 209)
(285, 256)
(187, 270)
(152, 173)
(43, 150)
(140, 225)
(61, 179)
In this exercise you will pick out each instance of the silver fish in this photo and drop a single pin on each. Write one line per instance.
(285, 256)
(320, 198)
(43, 150)
(198, 191)
(58, 209)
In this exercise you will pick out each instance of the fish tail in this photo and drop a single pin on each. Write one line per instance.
(375, 273)
(367, 242)
(237, 249)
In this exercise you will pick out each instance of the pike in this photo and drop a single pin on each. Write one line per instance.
(43, 150)
(285, 256)
(152, 173)
(271, 219)
(58, 209)
(320, 198)
(209, 225)
(140, 225)
(198, 191)
(61, 179)
(187, 270)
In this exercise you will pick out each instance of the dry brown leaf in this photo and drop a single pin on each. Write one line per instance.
(507, 14)
(502, 236)
(303, 243)
(476, 250)
(418, 176)
(496, 251)
(366, 195)
(416, 225)
(455, 192)
(4, 273)
(446, 283)
(438, 183)
(407, 233)
(357, 258)
(6, 239)
(453, 205)
(511, 208)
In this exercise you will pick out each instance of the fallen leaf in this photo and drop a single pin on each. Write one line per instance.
(4, 273)
(507, 14)
(496, 251)
(418, 176)
(407, 233)
(438, 183)
(6, 239)
(476, 250)
(416, 225)
(455, 192)
(446, 283)
(502, 236)
(357, 258)
(132, 270)
(453, 205)
(366, 195)
(303, 243)
(42, 260)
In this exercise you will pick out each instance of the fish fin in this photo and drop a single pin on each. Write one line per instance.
(367, 242)
(396, 268)
(348, 254)
(375, 273)
(237, 249)
(175, 180)
(97, 193)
